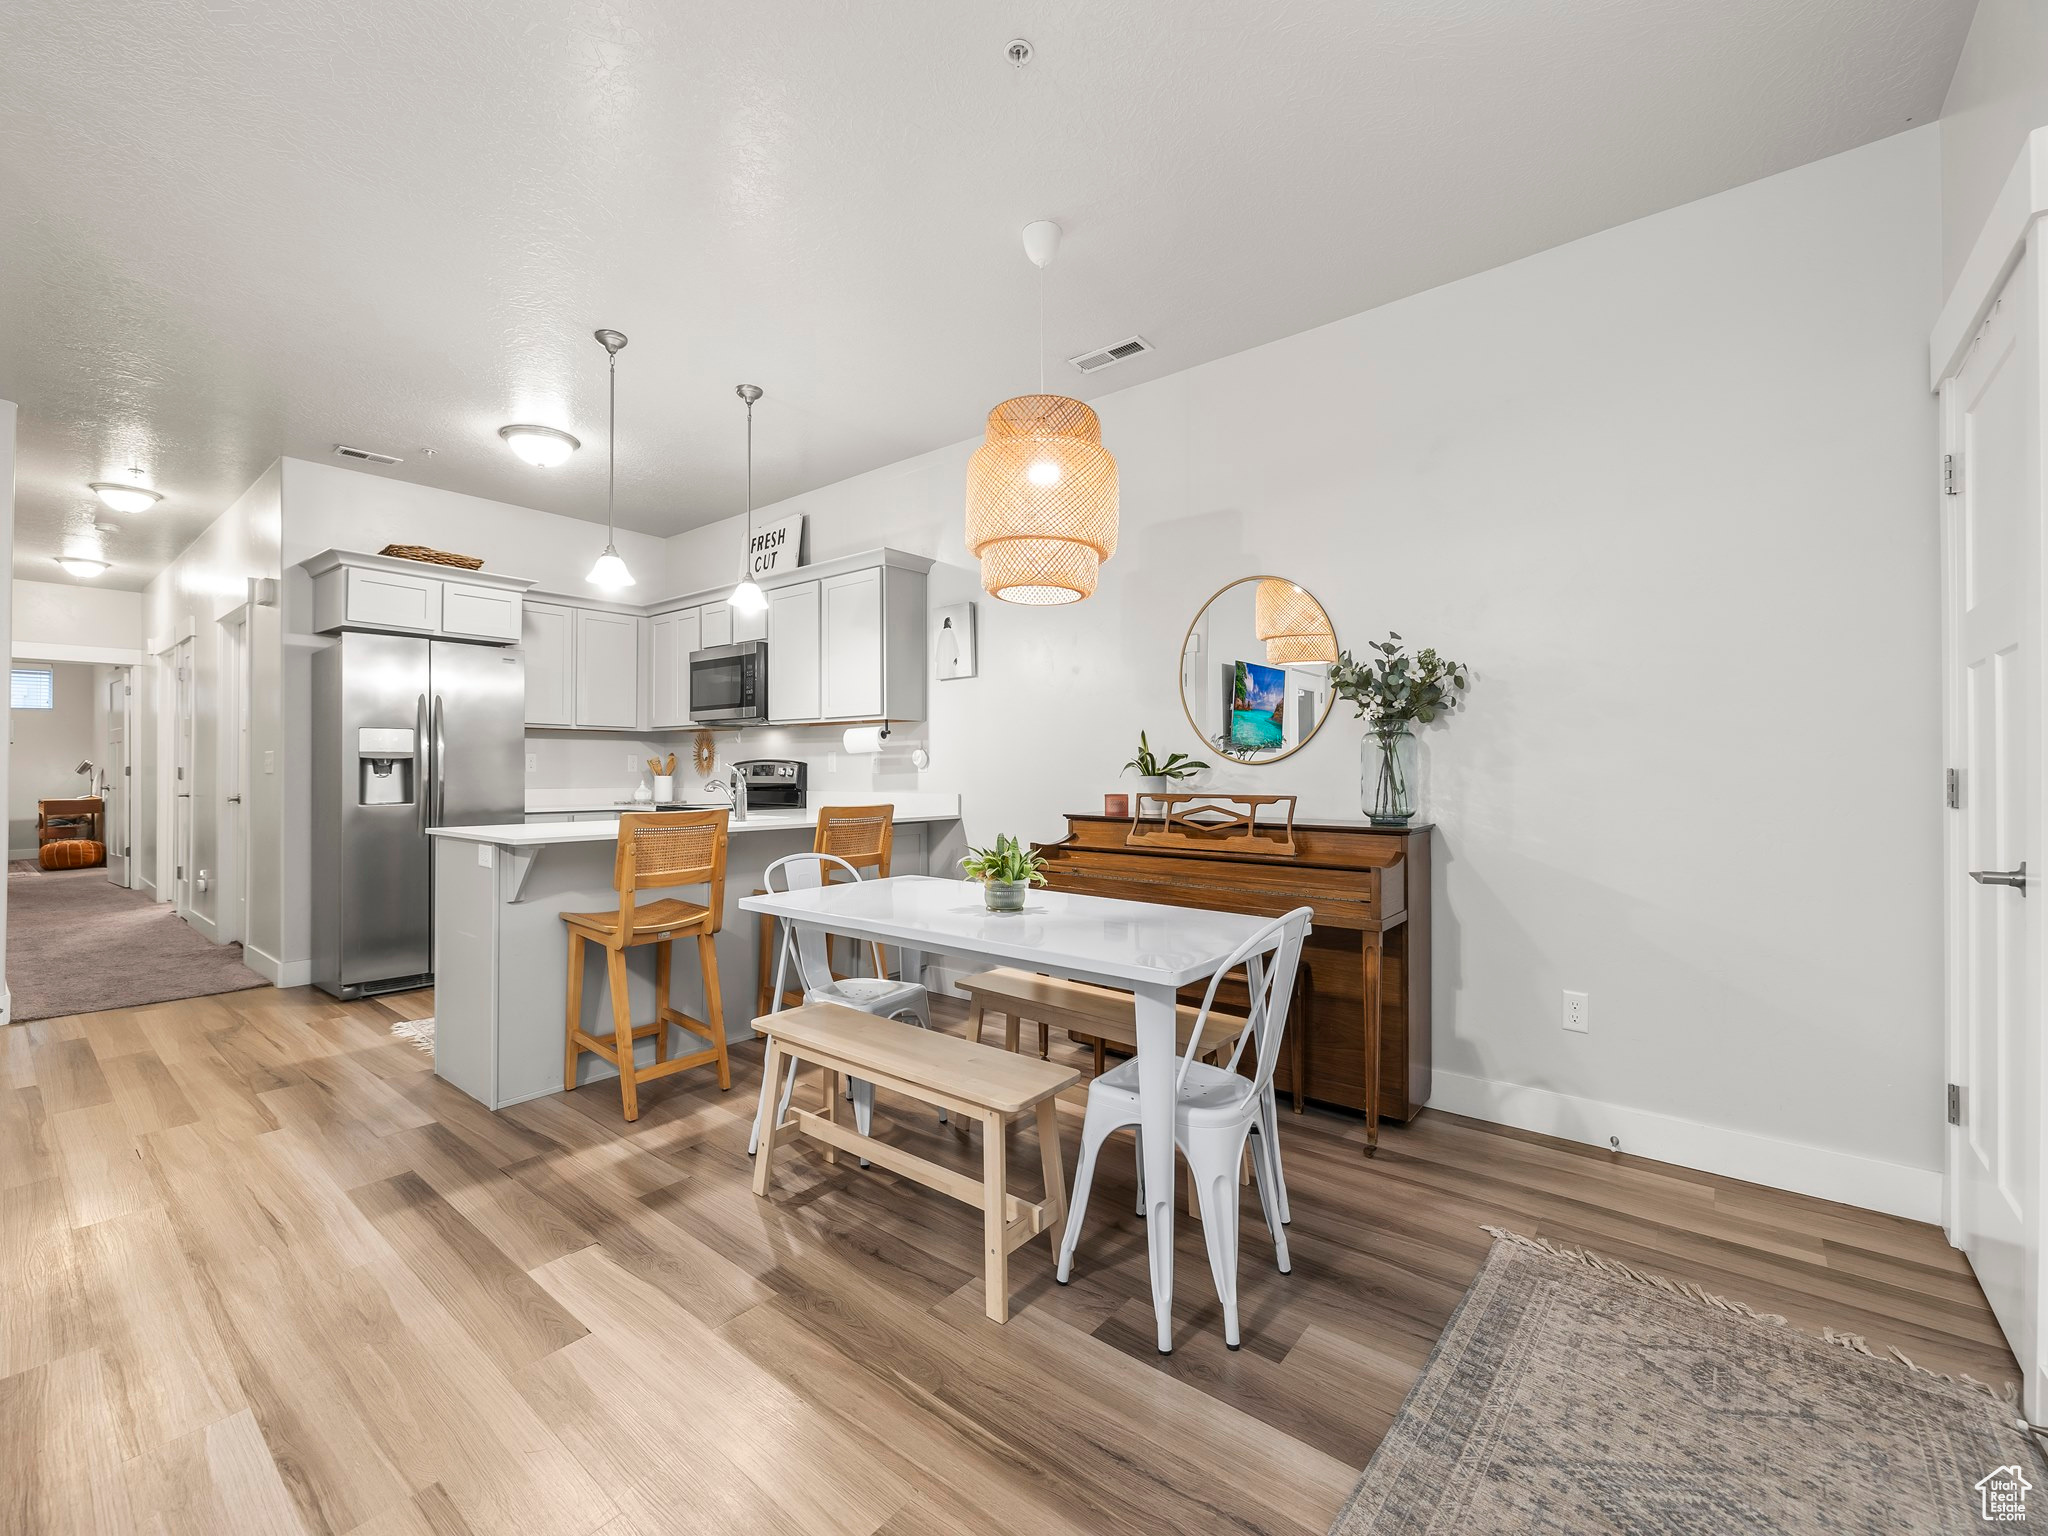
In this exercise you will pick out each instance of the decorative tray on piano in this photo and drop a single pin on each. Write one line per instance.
(1213, 822)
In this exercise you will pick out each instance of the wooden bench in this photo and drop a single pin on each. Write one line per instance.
(1102, 1015)
(971, 1080)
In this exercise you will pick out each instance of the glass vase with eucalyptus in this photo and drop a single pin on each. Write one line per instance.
(1388, 784)
(1392, 691)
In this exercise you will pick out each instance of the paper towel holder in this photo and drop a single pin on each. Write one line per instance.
(853, 744)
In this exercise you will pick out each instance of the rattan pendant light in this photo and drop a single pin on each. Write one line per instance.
(1041, 489)
(1292, 623)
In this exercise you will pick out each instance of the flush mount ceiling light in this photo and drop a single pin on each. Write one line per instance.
(610, 573)
(1041, 489)
(82, 565)
(748, 597)
(125, 498)
(542, 447)
(1292, 623)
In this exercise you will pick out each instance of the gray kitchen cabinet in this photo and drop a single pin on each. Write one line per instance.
(794, 656)
(607, 670)
(547, 636)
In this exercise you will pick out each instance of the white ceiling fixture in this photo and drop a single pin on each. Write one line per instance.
(610, 573)
(701, 152)
(125, 498)
(542, 447)
(748, 597)
(83, 565)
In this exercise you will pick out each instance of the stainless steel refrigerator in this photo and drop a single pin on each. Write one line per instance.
(408, 733)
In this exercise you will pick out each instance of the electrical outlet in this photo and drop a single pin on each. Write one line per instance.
(533, 762)
(632, 763)
(270, 762)
(1576, 1010)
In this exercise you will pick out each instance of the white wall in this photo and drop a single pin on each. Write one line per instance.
(52, 619)
(208, 581)
(1999, 95)
(44, 746)
(7, 416)
(1667, 490)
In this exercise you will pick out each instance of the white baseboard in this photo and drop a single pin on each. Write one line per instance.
(279, 973)
(146, 885)
(203, 925)
(6, 1006)
(1894, 1188)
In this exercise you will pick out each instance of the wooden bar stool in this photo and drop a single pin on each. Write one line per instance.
(657, 851)
(865, 837)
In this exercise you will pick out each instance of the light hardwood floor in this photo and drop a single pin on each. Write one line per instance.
(261, 1271)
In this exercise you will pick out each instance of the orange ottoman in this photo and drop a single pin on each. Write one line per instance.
(72, 853)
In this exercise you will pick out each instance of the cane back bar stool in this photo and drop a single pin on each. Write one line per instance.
(657, 851)
(860, 836)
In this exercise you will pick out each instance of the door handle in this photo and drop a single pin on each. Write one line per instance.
(440, 762)
(2016, 878)
(234, 799)
(419, 760)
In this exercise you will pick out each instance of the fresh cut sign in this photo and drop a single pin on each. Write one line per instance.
(776, 547)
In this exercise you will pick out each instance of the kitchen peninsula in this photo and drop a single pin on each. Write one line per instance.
(501, 951)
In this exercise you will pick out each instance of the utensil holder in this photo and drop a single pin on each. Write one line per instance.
(665, 788)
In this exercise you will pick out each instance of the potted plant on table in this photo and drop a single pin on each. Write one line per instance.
(1156, 777)
(1006, 872)
(1391, 690)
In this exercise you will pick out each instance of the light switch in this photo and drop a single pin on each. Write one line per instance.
(270, 762)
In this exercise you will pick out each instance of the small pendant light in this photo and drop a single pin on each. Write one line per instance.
(748, 597)
(1041, 490)
(610, 573)
(1292, 623)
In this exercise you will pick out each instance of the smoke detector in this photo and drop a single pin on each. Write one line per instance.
(363, 455)
(1108, 357)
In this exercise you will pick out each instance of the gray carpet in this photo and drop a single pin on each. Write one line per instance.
(78, 944)
(1576, 1396)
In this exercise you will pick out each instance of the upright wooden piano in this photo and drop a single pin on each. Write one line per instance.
(1363, 1008)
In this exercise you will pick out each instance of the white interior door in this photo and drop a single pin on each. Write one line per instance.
(1992, 434)
(231, 908)
(181, 782)
(119, 775)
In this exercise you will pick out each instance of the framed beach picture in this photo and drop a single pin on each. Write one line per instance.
(1255, 705)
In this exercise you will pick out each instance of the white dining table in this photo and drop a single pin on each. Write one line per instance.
(1148, 950)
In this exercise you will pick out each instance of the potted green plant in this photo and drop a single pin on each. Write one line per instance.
(1156, 777)
(1391, 690)
(1006, 872)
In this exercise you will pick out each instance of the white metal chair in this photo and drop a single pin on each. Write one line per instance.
(1215, 1110)
(803, 946)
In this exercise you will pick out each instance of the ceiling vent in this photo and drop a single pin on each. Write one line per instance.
(1104, 357)
(363, 455)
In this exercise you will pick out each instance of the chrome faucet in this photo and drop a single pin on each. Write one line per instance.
(735, 786)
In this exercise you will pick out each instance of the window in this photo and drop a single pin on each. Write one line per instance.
(33, 688)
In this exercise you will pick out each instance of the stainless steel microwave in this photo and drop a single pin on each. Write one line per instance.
(729, 684)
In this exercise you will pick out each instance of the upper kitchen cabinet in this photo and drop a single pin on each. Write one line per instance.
(548, 638)
(846, 640)
(413, 597)
(671, 637)
(607, 670)
(794, 656)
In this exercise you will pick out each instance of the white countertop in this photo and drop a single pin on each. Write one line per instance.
(909, 807)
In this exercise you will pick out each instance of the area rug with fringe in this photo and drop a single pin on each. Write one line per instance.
(1574, 1395)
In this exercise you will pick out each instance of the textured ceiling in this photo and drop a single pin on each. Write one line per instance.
(234, 230)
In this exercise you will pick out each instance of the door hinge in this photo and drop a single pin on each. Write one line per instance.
(1955, 1104)
(1955, 789)
(1951, 475)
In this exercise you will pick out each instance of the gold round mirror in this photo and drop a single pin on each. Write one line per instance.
(1255, 669)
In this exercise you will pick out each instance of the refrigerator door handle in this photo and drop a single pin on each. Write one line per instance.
(419, 760)
(440, 762)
